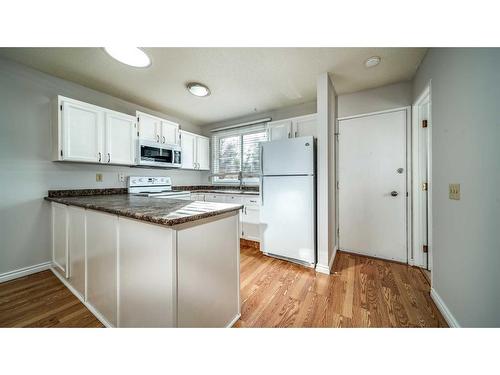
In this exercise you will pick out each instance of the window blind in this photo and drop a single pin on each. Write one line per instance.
(236, 150)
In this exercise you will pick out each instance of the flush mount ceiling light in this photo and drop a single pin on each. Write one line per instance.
(132, 56)
(198, 89)
(372, 61)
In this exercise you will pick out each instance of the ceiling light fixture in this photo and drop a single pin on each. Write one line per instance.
(132, 56)
(198, 89)
(372, 61)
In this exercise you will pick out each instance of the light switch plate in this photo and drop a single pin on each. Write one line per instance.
(454, 191)
(98, 177)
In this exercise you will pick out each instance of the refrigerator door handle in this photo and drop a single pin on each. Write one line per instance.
(261, 190)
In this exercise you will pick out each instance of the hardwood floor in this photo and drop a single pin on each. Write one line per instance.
(363, 292)
(41, 300)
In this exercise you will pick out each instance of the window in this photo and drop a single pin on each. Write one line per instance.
(236, 150)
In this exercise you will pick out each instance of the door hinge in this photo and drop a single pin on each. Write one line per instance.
(138, 118)
(59, 107)
(337, 185)
(424, 123)
(425, 186)
(137, 133)
(61, 153)
(425, 248)
(338, 232)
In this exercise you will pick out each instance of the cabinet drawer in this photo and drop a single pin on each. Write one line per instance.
(215, 198)
(233, 199)
(197, 197)
(251, 201)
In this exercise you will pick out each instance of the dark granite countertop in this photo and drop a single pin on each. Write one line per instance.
(219, 191)
(164, 211)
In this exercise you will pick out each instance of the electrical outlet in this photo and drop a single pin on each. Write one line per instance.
(98, 177)
(121, 177)
(454, 191)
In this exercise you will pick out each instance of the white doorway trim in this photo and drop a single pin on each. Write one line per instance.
(409, 174)
(420, 259)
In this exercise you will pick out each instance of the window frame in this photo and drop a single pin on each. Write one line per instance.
(253, 181)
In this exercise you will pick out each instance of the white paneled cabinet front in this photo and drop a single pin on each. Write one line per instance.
(60, 238)
(279, 130)
(155, 129)
(120, 139)
(102, 251)
(147, 279)
(292, 128)
(77, 246)
(83, 132)
(195, 151)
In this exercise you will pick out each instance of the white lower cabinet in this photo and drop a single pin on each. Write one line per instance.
(207, 269)
(136, 274)
(249, 215)
(147, 264)
(77, 246)
(60, 238)
(102, 251)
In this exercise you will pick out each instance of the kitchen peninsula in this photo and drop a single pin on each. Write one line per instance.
(139, 261)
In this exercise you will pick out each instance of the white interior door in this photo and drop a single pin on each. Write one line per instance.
(372, 185)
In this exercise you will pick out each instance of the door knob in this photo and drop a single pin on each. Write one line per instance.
(394, 193)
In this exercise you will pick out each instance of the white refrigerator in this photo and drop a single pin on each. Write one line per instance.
(288, 195)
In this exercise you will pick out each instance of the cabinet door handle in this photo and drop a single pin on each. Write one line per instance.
(109, 157)
(157, 138)
(288, 134)
(295, 134)
(163, 139)
(99, 157)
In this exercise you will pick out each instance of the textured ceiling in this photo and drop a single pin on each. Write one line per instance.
(242, 80)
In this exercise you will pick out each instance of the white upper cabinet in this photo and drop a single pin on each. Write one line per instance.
(87, 133)
(149, 127)
(155, 129)
(80, 132)
(305, 126)
(279, 130)
(203, 153)
(292, 128)
(195, 151)
(169, 132)
(188, 146)
(120, 139)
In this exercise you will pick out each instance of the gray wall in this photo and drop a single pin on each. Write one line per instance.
(379, 99)
(278, 114)
(26, 172)
(465, 94)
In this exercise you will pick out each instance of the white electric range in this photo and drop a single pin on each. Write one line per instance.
(155, 187)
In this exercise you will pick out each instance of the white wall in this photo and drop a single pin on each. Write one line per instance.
(327, 118)
(26, 172)
(465, 94)
(378, 99)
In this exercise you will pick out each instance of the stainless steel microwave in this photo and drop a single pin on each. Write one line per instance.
(158, 154)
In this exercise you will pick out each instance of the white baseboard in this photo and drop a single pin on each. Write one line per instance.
(11, 275)
(77, 295)
(232, 322)
(447, 315)
(327, 269)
